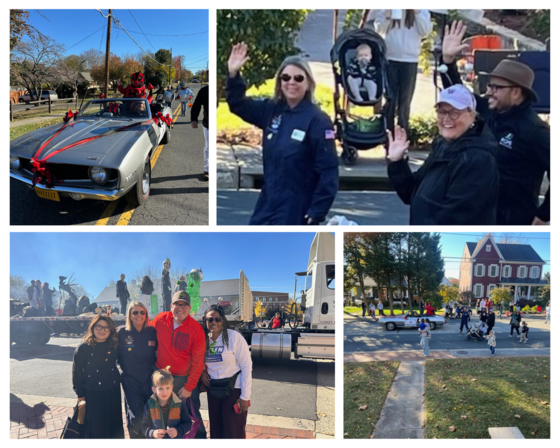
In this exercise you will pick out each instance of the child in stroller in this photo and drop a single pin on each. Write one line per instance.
(362, 72)
(477, 332)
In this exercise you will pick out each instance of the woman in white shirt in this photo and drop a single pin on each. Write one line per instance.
(227, 376)
(403, 30)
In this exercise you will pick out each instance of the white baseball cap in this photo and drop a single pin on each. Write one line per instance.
(457, 96)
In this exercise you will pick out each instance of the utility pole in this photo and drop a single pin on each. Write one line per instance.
(107, 50)
(170, 63)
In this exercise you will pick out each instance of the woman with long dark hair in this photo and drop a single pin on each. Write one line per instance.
(96, 380)
(403, 30)
(228, 377)
(300, 164)
(137, 358)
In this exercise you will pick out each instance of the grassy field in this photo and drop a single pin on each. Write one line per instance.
(20, 130)
(466, 397)
(365, 384)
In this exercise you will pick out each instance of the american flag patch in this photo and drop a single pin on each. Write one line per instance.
(329, 134)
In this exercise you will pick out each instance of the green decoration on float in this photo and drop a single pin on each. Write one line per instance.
(193, 288)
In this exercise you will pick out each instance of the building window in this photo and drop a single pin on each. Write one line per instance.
(488, 246)
(535, 272)
(490, 288)
(493, 271)
(330, 277)
(507, 272)
(522, 271)
(478, 288)
(276, 299)
(479, 270)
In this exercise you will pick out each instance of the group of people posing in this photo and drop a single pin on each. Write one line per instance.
(485, 167)
(163, 366)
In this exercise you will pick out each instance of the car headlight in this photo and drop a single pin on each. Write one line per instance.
(15, 164)
(98, 175)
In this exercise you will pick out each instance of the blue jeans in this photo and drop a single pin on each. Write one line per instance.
(492, 349)
(178, 382)
(425, 343)
(183, 107)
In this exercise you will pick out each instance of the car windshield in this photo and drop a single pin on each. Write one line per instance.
(116, 108)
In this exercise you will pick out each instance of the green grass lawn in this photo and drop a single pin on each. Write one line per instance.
(483, 393)
(20, 130)
(365, 384)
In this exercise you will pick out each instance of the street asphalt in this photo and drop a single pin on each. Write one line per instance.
(362, 335)
(179, 195)
(363, 207)
(281, 388)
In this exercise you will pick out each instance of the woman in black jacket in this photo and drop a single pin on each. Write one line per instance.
(515, 322)
(458, 183)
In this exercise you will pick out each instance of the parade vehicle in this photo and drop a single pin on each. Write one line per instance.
(410, 320)
(309, 331)
(103, 152)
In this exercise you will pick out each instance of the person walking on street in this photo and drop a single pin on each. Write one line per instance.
(123, 294)
(547, 317)
(181, 346)
(364, 308)
(201, 101)
(483, 314)
(491, 320)
(491, 342)
(465, 319)
(514, 322)
(185, 95)
(501, 308)
(424, 331)
(169, 96)
(523, 151)
(524, 333)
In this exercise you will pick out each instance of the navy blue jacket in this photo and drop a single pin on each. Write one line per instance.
(137, 354)
(465, 317)
(299, 157)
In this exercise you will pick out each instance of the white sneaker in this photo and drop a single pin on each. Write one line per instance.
(510, 336)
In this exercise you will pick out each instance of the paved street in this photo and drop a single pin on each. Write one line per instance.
(364, 207)
(296, 394)
(367, 336)
(179, 195)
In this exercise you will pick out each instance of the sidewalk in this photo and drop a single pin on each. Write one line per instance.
(30, 419)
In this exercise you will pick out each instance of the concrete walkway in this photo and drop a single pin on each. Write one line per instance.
(402, 416)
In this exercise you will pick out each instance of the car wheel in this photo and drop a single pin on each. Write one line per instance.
(433, 326)
(141, 191)
(167, 137)
(391, 326)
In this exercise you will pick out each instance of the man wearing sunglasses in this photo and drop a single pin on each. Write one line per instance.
(523, 154)
(181, 345)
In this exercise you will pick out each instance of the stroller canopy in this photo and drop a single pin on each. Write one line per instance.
(353, 38)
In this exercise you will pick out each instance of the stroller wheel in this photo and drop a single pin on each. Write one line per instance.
(349, 155)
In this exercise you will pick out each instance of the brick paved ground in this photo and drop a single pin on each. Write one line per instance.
(46, 422)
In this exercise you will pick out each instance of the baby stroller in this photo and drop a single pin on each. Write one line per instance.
(356, 133)
(477, 332)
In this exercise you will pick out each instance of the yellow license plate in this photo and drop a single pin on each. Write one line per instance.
(47, 194)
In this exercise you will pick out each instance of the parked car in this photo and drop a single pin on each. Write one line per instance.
(113, 164)
(195, 80)
(410, 320)
(45, 95)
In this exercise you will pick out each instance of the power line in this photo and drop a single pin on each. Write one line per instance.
(141, 29)
(472, 235)
(102, 36)
(170, 35)
(85, 38)
(150, 25)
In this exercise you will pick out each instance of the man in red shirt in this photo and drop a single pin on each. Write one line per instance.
(276, 322)
(181, 345)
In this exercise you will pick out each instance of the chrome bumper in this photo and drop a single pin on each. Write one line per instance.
(86, 193)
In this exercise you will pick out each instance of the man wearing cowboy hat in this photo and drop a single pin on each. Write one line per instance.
(523, 154)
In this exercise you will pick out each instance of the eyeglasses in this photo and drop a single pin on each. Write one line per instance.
(181, 305)
(135, 313)
(496, 87)
(102, 328)
(297, 78)
(212, 319)
(453, 113)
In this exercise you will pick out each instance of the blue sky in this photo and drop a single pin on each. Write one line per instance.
(269, 260)
(453, 244)
(69, 27)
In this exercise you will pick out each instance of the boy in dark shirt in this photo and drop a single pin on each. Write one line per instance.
(165, 414)
(524, 332)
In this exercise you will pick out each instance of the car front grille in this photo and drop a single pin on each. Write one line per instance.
(63, 171)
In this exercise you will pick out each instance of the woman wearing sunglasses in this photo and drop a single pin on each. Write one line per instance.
(300, 164)
(458, 182)
(228, 377)
(95, 378)
(137, 357)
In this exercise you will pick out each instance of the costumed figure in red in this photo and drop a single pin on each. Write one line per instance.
(136, 89)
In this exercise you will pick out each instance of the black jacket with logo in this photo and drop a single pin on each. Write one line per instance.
(523, 156)
(457, 185)
(200, 101)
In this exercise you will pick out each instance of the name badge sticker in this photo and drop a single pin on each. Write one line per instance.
(214, 358)
(298, 135)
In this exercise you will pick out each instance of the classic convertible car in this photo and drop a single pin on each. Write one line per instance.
(410, 320)
(102, 153)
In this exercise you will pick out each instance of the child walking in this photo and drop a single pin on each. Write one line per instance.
(491, 341)
(165, 414)
(524, 332)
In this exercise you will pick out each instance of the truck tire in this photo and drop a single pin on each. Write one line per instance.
(41, 337)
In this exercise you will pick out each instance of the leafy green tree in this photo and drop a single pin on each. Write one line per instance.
(449, 293)
(466, 297)
(545, 294)
(270, 35)
(354, 258)
(498, 295)
(380, 261)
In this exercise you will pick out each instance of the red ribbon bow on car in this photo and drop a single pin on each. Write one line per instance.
(160, 117)
(69, 116)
